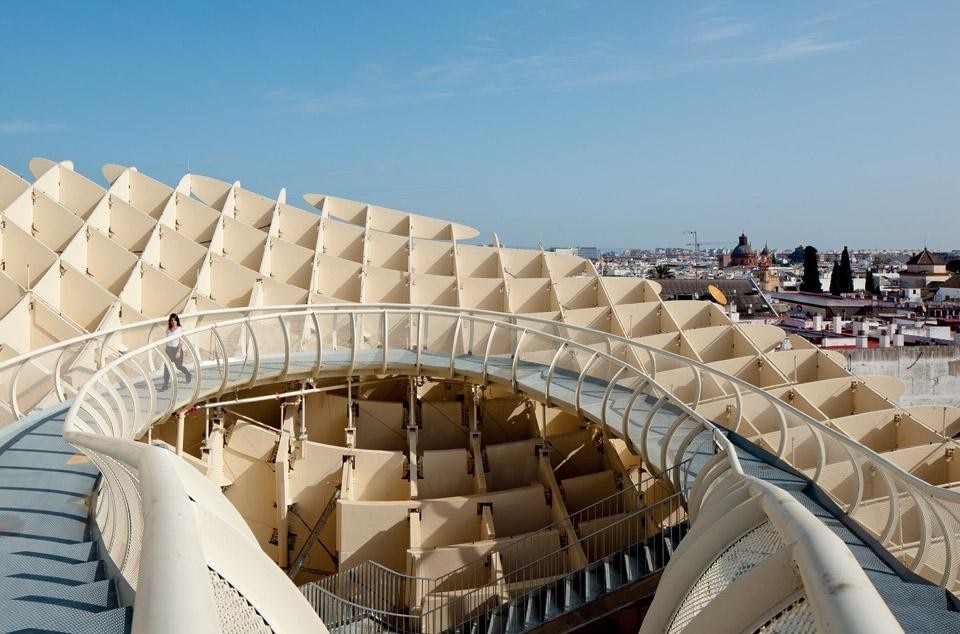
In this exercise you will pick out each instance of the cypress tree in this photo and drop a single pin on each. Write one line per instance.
(846, 272)
(835, 282)
(811, 272)
(871, 285)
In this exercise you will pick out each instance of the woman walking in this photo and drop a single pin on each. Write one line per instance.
(174, 350)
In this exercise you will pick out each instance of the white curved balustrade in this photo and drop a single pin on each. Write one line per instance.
(918, 522)
(609, 380)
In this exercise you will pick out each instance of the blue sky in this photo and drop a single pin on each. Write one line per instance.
(559, 122)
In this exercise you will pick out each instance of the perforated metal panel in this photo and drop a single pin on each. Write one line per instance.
(796, 618)
(235, 613)
(737, 559)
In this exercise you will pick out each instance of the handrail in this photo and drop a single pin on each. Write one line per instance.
(897, 481)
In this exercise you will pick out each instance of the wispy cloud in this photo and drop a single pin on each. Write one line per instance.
(798, 48)
(19, 126)
(711, 27)
(718, 32)
(346, 102)
(608, 60)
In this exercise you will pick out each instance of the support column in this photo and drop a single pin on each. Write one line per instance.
(351, 430)
(214, 448)
(181, 422)
(282, 481)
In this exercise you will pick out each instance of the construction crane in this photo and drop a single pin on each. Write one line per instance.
(696, 244)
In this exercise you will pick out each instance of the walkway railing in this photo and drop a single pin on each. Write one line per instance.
(599, 376)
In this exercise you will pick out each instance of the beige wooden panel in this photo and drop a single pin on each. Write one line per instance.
(243, 244)
(385, 286)
(108, 263)
(342, 240)
(507, 419)
(378, 475)
(11, 186)
(943, 419)
(209, 191)
(720, 342)
(477, 261)
(645, 319)
(803, 366)
(387, 251)
(253, 210)
(523, 263)
(128, 226)
(630, 290)
(511, 465)
(567, 265)
(299, 226)
(23, 258)
(445, 474)
(579, 292)
(530, 295)
(76, 193)
(82, 300)
(291, 263)
(435, 290)
(52, 224)
(10, 293)
(483, 293)
(432, 258)
(886, 430)
(231, 284)
(179, 257)
(575, 454)
(696, 314)
(338, 278)
(194, 220)
(160, 294)
(279, 294)
(148, 195)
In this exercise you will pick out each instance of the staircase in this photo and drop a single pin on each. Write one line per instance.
(580, 589)
(52, 578)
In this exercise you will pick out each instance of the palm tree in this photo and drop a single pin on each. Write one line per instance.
(661, 272)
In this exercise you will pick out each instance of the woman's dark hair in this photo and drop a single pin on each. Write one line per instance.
(175, 317)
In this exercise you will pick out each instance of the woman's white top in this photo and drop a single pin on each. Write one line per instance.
(175, 342)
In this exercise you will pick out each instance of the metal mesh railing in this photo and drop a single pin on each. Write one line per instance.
(739, 558)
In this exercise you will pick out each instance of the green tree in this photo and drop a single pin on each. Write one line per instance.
(846, 272)
(797, 256)
(811, 272)
(836, 279)
(871, 284)
(953, 266)
(661, 272)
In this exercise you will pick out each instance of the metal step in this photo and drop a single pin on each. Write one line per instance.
(533, 615)
(92, 596)
(69, 551)
(594, 582)
(573, 591)
(19, 565)
(54, 617)
(514, 616)
(613, 575)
